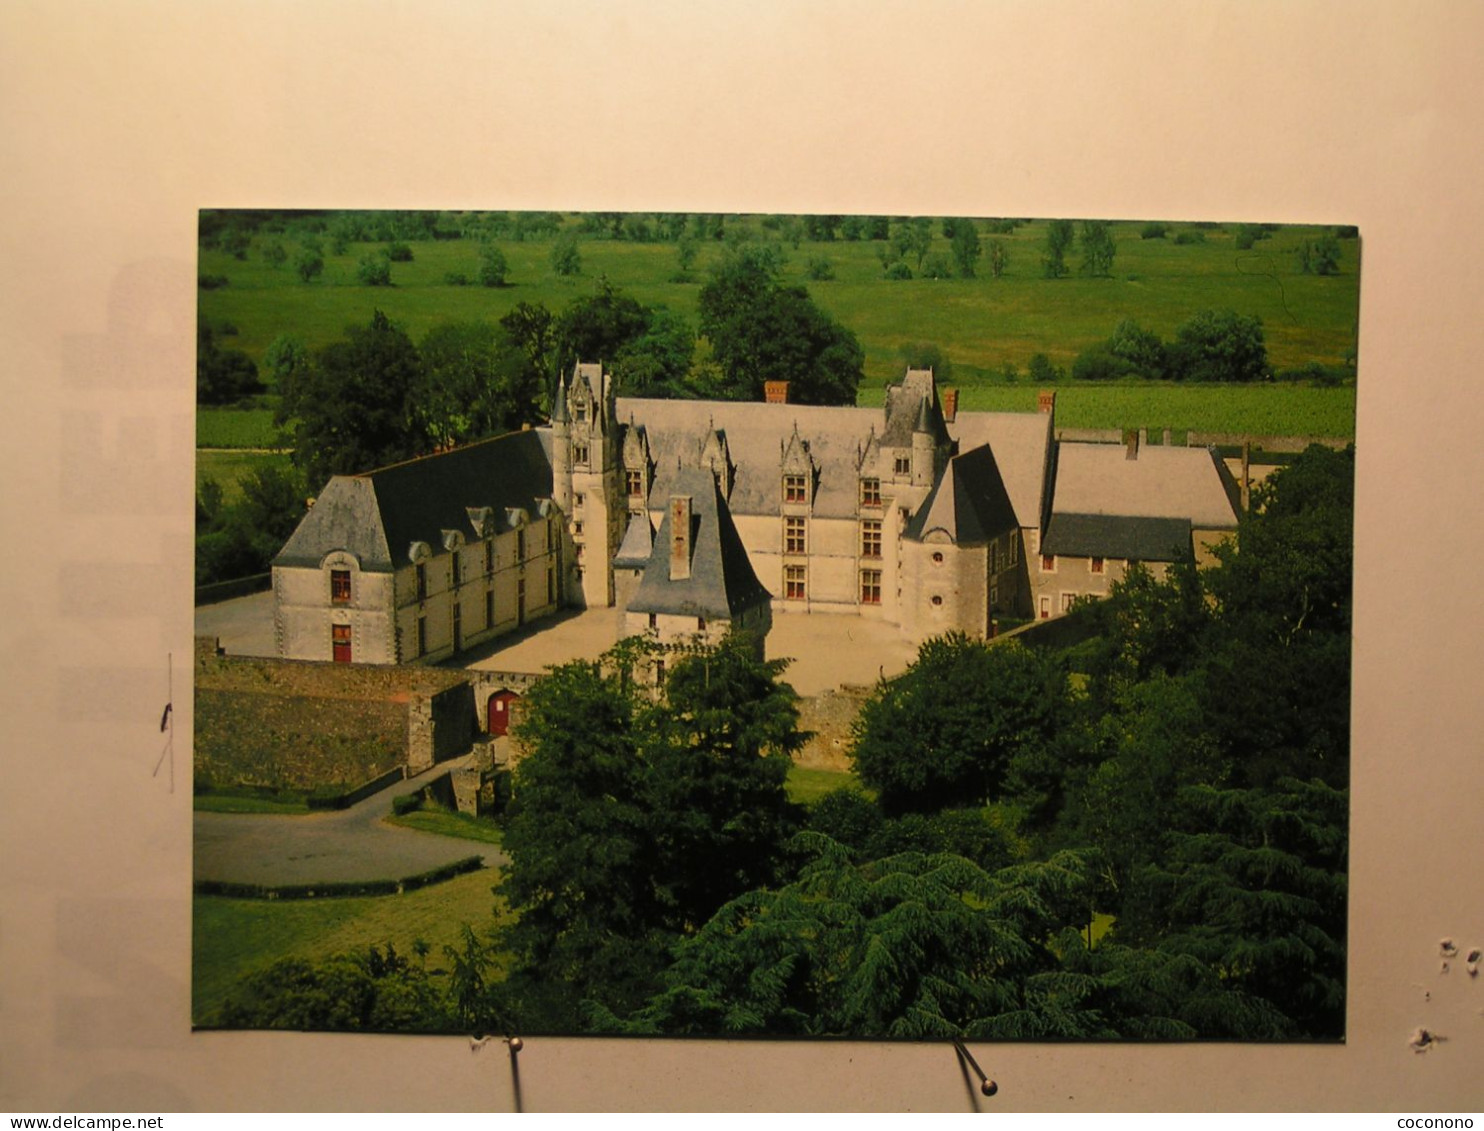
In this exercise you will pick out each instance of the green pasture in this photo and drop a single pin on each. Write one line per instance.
(231, 938)
(237, 428)
(230, 468)
(981, 324)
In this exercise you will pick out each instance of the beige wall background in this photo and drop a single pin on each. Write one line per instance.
(119, 120)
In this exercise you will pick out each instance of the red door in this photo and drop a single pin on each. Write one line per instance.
(499, 711)
(340, 643)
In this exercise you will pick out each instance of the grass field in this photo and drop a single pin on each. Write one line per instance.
(235, 937)
(808, 786)
(237, 428)
(444, 823)
(230, 468)
(981, 324)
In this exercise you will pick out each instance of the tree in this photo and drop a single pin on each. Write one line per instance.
(596, 327)
(965, 247)
(353, 409)
(1098, 249)
(912, 236)
(657, 363)
(760, 330)
(1319, 257)
(1219, 345)
(1059, 236)
(565, 258)
(493, 269)
(633, 820)
(286, 359)
(1139, 348)
(927, 355)
(274, 254)
(374, 271)
(533, 328)
(945, 732)
(309, 265)
(999, 258)
(1040, 371)
(222, 375)
(477, 382)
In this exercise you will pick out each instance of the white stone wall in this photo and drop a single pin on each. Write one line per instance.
(304, 613)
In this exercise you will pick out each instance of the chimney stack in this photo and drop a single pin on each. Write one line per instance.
(1131, 443)
(950, 405)
(680, 537)
(1046, 400)
(775, 392)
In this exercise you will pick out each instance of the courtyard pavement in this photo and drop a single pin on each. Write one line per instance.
(243, 625)
(351, 844)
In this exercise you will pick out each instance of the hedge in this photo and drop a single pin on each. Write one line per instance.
(339, 889)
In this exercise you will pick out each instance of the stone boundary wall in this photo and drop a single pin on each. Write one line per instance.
(304, 723)
(828, 719)
(1265, 443)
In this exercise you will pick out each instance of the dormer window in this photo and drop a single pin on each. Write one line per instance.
(579, 453)
(870, 492)
(635, 482)
(422, 581)
(340, 586)
(902, 465)
(795, 489)
(579, 412)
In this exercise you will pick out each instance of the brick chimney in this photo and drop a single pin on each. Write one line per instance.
(1130, 443)
(950, 404)
(1046, 400)
(679, 537)
(775, 392)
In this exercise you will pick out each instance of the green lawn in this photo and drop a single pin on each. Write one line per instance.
(236, 428)
(981, 324)
(227, 803)
(808, 786)
(235, 937)
(444, 823)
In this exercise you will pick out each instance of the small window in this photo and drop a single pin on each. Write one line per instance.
(577, 528)
(700, 624)
(579, 453)
(870, 587)
(1066, 601)
(340, 643)
(422, 583)
(795, 536)
(550, 586)
(654, 620)
(422, 636)
(454, 570)
(340, 586)
(1096, 565)
(994, 598)
(489, 609)
(903, 465)
(577, 500)
(579, 411)
(489, 557)
(994, 557)
(635, 481)
(520, 544)
(1014, 549)
(1048, 563)
(795, 581)
(795, 489)
(1045, 608)
(870, 492)
(871, 538)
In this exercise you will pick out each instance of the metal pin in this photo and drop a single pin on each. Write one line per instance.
(986, 1085)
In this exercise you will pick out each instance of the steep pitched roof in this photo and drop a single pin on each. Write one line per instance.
(1117, 536)
(758, 434)
(1162, 482)
(969, 503)
(378, 515)
(722, 582)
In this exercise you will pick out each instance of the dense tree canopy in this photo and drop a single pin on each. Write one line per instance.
(354, 408)
(761, 330)
(476, 382)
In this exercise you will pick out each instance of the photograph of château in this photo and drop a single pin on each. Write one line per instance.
(778, 626)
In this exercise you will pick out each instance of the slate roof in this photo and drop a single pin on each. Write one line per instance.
(1021, 442)
(378, 515)
(838, 437)
(1117, 536)
(968, 503)
(722, 582)
(1162, 482)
